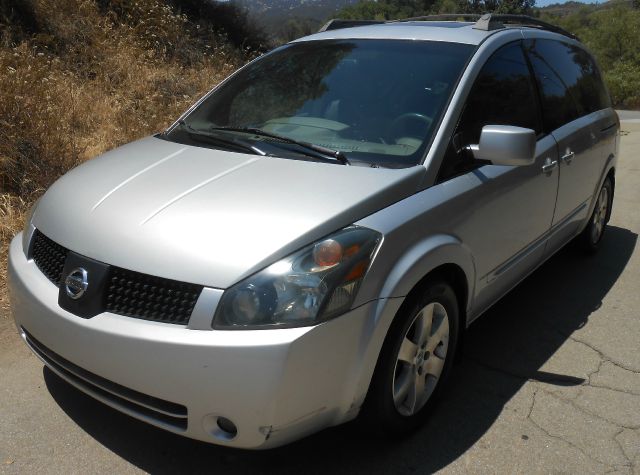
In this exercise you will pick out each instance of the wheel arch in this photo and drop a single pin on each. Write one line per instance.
(450, 273)
(453, 275)
(608, 171)
(438, 257)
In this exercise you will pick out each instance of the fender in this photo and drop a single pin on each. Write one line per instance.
(414, 264)
(425, 256)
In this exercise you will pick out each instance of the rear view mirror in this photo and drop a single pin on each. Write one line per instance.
(506, 145)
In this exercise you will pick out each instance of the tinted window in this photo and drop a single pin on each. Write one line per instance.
(569, 81)
(558, 105)
(503, 94)
(591, 87)
(377, 101)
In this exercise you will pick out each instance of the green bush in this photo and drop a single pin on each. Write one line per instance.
(624, 85)
(612, 33)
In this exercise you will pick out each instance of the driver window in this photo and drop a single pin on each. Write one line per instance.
(503, 94)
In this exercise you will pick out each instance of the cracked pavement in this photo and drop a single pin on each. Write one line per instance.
(548, 382)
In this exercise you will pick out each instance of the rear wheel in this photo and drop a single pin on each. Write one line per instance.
(415, 361)
(592, 234)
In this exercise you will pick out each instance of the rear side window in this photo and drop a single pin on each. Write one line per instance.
(591, 87)
(568, 79)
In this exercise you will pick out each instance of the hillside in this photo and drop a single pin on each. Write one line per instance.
(285, 20)
(79, 77)
(565, 8)
(572, 7)
(274, 10)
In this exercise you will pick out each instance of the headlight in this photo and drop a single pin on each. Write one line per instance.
(26, 232)
(314, 284)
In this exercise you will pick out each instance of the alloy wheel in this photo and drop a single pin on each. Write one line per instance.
(600, 215)
(421, 359)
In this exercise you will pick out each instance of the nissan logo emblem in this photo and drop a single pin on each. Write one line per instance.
(76, 283)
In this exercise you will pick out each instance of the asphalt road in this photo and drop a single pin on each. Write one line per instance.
(549, 382)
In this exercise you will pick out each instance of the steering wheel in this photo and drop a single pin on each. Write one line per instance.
(408, 116)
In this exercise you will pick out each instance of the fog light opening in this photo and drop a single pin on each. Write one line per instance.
(226, 429)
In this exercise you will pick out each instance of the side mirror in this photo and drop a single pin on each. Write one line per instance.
(506, 145)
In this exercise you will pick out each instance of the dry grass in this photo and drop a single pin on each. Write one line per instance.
(12, 209)
(92, 78)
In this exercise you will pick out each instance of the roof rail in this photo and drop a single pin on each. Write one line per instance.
(471, 17)
(337, 24)
(525, 20)
(486, 22)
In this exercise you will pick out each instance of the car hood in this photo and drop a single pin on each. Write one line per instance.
(207, 216)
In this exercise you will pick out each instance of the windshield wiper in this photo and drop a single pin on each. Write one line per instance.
(323, 152)
(217, 139)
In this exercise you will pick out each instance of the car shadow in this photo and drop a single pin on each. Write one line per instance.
(504, 349)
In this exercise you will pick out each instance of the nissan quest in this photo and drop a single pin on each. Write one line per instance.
(308, 242)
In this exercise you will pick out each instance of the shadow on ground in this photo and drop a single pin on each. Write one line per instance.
(503, 350)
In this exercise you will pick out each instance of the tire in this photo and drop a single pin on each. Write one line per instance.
(395, 404)
(591, 237)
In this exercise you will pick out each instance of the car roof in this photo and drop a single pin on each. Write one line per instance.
(448, 31)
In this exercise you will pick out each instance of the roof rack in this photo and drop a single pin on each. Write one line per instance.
(338, 24)
(522, 20)
(486, 22)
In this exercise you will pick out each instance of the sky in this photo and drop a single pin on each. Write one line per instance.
(544, 3)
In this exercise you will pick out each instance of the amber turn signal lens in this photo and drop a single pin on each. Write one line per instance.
(358, 271)
(351, 250)
(327, 253)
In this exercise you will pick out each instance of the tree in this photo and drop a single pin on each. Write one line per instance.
(295, 28)
(396, 9)
(612, 33)
(520, 7)
(229, 18)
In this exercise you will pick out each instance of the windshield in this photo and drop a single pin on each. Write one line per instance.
(376, 101)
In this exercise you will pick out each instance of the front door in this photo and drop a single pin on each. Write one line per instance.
(505, 212)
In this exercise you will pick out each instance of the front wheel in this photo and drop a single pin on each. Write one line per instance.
(415, 361)
(592, 234)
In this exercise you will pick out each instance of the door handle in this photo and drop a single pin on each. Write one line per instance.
(567, 157)
(549, 165)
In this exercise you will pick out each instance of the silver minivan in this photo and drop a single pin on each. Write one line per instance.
(309, 240)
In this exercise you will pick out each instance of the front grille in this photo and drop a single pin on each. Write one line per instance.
(49, 257)
(127, 293)
(150, 298)
(149, 408)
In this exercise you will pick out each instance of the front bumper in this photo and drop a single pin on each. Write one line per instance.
(274, 385)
